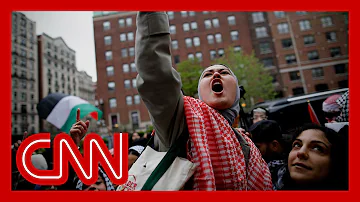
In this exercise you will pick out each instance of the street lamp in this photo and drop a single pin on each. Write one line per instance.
(303, 82)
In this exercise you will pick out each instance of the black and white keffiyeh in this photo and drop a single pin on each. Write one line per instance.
(108, 183)
(343, 101)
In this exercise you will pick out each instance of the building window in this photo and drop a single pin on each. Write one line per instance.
(279, 14)
(207, 24)
(126, 68)
(134, 83)
(112, 102)
(221, 52)
(317, 72)
(286, 43)
(304, 25)
(191, 13)
(298, 91)
(107, 40)
(335, 52)
(122, 37)
(129, 22)
(127, 84)
(313, 55)
(130, 36)
(234, 35)
(191, 56)
(172, 29)
(294, 76)
(128, 100)
(131, 51)
(108, 55)
(170, 15)
(199, 56)
(258, 17)
(110, 71)
(111, 86)
(196, 41)
(237, 48)
(301, 12)
(174, 45)
(212, 54)
(330, 36)
(321, 87)
(176, 59)
(186, 27)
(124, 53)
(194, 26)
(309, 39)
(114, 120)
(268, 62)
(215, 22)
(261, 32)
(135, 119)
(121, 23)
(290, 59)
(210, 39)
(106, 25)
(326, 21)
(265, 48)
(283, 28)
(183, 14)
(188, 42)
(218, 38)
(137, 99)
(23, 97)
(340, 68)
(133, 67)
(231, 20)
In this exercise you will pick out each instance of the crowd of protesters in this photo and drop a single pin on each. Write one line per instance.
(311, 157)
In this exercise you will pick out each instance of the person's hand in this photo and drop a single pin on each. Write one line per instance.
(79, 129)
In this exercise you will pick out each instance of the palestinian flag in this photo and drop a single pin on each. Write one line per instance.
(60, 110)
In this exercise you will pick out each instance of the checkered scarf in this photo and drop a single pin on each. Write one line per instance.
(343, 101)
(109, 185)
(218, 154)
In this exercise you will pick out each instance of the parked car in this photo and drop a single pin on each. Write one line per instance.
(293, 112)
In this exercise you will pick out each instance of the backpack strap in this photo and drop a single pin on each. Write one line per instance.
(244, 145)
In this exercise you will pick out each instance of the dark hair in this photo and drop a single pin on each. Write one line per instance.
(133, 152)
(265, 131)
(338, 175)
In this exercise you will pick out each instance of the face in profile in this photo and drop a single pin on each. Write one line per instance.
(218, 87)
(309, 159)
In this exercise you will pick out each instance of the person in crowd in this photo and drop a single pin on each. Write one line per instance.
(259, 114)
(135, 136)
(213, 145)
(331, 108)
(268, 137)
(103, 183)
(317, 161)
(134, 153)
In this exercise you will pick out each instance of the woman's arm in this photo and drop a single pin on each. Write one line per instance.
(159, 84)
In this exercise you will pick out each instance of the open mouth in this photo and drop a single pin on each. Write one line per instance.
(217, 87)
(302, 166)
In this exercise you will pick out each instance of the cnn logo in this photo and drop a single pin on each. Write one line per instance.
(66, 152)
